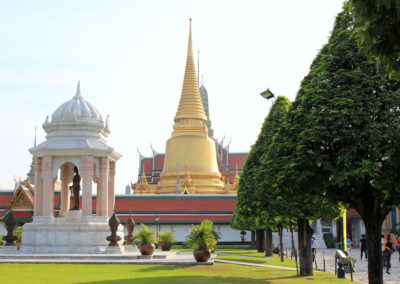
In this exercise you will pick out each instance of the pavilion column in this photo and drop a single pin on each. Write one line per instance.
(111, 190)
(87, 178)
(334, 232)
(98, 197)
(103, 188)
(38, 203)
(48, 187)
(65, 192)
(318, 230)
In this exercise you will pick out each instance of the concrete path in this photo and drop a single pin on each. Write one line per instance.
(361, 271)
(159, 258)
(253, 264)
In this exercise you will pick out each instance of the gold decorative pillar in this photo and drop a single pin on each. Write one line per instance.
(48, 186)
(103, 202)
(38, 203)
(87, 179)
(65, 192)
(111, 190)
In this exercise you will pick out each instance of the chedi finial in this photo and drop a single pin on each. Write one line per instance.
(78, 90)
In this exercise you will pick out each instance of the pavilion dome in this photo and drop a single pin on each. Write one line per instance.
(77, 109)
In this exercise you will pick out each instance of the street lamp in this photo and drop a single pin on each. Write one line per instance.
(158, 226)
(267, 94)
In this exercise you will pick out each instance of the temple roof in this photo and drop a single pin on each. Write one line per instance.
(190, 104)
(76, 109)
(76, 127)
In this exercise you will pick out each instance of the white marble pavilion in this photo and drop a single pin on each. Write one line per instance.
(76, 137)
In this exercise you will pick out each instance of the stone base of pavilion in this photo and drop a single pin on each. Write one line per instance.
(73, 234)
(159, 257)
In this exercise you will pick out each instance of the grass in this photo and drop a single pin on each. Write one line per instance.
(217, 273)
(247, 255)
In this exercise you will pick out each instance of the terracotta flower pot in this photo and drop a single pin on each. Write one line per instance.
(166, 246)
(202, 255)
(146, 249)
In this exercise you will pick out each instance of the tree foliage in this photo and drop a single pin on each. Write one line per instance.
(250, 211)
(342, 138)
(379, 22)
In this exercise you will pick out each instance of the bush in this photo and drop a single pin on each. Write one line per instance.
(1, 240)
(329, 240)
(166, 237)
(217, 235)
(18, 232)
(201, 236)
(145, 236)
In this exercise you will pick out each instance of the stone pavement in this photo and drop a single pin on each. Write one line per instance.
(361, 270)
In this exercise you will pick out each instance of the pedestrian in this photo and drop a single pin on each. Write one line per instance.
(383, 240)
(363, 247)
(314, 245)
(398, 247)
(389, 244)
(348, 241)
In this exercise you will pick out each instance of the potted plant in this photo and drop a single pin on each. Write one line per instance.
(146, 239)
(202, 240)
(166, 240)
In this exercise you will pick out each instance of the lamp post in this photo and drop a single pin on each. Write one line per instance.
(158, 225)
(158, 228)
(267, 94)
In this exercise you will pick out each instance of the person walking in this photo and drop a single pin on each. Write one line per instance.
(388, 250)
(363, 247)
(314, 245)
(349, 243)
(398, 247)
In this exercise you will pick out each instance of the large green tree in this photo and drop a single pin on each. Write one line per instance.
(342, 137)
(247, 205)
(274, 205)
(379, 23)
(271, 210)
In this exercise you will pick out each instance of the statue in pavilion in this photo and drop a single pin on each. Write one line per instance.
(76, 188)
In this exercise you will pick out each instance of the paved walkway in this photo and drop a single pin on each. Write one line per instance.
(171, 258)
(361, 271)
(253, 264)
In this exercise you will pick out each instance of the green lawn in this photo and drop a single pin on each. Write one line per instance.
(217, 273)
(248, 255)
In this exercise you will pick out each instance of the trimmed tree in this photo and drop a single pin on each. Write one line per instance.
(343, 135)
(280, 202)
(247, 204)
(270, 211)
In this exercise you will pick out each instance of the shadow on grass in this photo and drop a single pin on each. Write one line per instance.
(181, 279)
(161, 268)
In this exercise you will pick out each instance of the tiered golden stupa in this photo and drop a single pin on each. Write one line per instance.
(189, 141)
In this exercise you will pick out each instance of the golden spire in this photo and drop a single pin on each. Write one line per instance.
(143, 178)
(143, 185)
(190, 104)
(235, 183)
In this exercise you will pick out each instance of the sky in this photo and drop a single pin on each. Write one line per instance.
(130, 57)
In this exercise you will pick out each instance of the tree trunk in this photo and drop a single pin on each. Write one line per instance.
(305, 255)
(260, 240)
(253, 239)
(373, 226)
(280, 233)
(268, 242)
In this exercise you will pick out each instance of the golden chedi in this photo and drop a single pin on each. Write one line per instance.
(189, 142)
